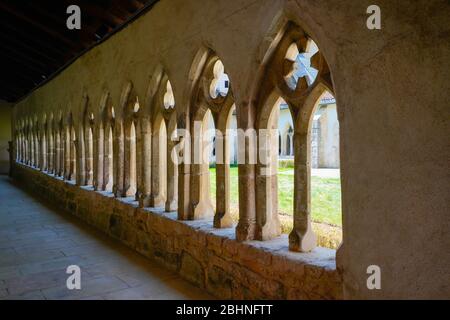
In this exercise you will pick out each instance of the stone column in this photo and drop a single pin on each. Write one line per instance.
(172, 172)
(50, 150)
(201, 206)
(145, 187)
(53, 152)
(268, 223)
(107, 157)
(222, 218)
(25, 153)
(302, 238)
(67, 154)
(73, 155)
(20, 148)
(62, 146)
(98, 157)
(184, 166)
(89, 146)
(43, 157)
(246, 136)
(57, 153)
(157, 198)
(81, 161)
(127, 160)
(36, 146)
(118, 160)
(291, 147)
(31, 150)
(138, 160)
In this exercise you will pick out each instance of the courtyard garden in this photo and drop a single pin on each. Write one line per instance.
(325, 203)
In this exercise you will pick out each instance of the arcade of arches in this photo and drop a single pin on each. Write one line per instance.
(115, 139)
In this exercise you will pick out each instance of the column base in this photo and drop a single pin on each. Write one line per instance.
(245, 230)
(302, 242)
(223, 220)
(171, 206)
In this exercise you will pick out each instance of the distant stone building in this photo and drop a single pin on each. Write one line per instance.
(324, 135)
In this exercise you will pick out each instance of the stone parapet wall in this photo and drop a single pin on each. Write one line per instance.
(208, 257)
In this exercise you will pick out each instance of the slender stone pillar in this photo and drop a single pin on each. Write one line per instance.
(37, 146)
(302, 237)
(119, 153)
(67, 154)
(222, 218)
(145, 187)
(246, 227)
(55, 151)
(50, 150)
(73, 155)
(108, 154)
(62, 148)
(31, 150)
(157, 198)
(81, 161)
(43, 157)
(98, 157)
(172, 173)
(89, 154)
(184, 166)
(201, 206)
(127, 160)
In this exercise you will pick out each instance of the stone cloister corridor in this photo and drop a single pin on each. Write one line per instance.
(117, 139)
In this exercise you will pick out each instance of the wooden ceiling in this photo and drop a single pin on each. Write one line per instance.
(36, 44)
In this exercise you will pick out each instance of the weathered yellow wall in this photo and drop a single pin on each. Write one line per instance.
(5, 135)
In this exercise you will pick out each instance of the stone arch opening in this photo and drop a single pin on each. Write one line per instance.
(89, 148)
(107, 129)
(295, 72)
(325, 182)
(159, 161)
(164, 173)
(211, 109)
(131, 156)
(44, 146)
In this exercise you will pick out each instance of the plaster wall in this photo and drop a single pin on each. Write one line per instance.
(5, 135)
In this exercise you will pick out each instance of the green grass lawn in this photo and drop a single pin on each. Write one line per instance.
(325, 195)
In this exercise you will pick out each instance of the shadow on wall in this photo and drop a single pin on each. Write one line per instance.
(5, 135)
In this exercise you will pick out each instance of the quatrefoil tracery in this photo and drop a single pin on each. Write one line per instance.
(297, 67)
(215, 85)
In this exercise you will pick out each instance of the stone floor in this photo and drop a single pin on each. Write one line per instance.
(38, 243)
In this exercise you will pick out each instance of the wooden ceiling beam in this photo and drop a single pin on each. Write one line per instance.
(37, 44)
(23, 17)
(100, 13)
(86, 33)
(27, 58)
(33, 67)
(33, 38)
(43, 54)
